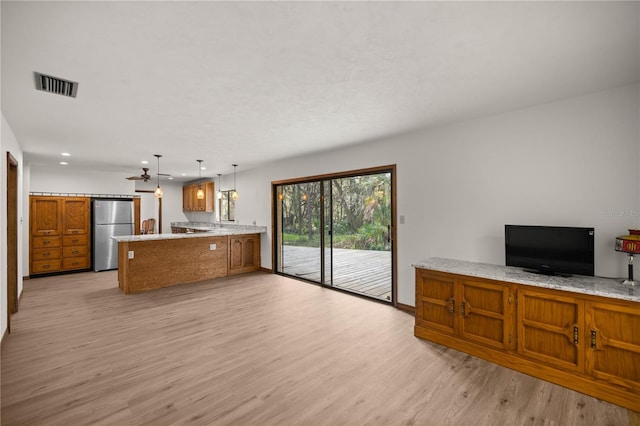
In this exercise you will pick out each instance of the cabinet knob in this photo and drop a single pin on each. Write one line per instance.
(46, 254)
(75, 252)
(45, 242)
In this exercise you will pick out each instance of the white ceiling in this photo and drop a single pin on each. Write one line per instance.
(250, 82)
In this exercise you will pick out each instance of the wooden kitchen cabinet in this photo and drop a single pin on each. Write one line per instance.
(475, 310)
(76, 216)
(584, 342)
(190, 201)
(46, 216)
(60, 234)
(244, 254)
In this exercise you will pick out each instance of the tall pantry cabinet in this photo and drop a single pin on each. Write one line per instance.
(60, 238)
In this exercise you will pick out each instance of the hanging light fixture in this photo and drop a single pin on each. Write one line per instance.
(158, 191)
(200, 192)
(219, 191)
(234, 194)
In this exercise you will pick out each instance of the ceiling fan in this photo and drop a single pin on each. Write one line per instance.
(144, 176)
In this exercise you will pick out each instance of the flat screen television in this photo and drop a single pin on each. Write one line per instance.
(552, 250)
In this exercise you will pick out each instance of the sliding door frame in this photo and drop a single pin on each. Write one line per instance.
(275, 227)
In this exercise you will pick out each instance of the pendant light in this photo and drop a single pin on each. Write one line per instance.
(158, 191)
(234, 194)
(219, 191)
(200, 192)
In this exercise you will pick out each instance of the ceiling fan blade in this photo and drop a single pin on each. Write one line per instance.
(134, 178)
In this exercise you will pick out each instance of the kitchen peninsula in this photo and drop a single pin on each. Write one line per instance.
(152, 261)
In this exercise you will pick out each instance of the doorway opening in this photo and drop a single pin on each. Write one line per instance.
(12, 238)
(338, 231)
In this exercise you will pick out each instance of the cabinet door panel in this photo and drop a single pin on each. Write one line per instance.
(549, 328)
(435, 302)
(485, 313)
(248, 252)
(235, 253)
(76, 216)
(614, 347)
(46, 216)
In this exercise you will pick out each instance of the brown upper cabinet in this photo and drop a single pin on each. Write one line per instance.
(190, 201)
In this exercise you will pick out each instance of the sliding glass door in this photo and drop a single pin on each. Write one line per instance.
(338, 231)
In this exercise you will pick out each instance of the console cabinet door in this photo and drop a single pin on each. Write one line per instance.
(435, 301)
(550, 328)
(486, 313)
(613, 352)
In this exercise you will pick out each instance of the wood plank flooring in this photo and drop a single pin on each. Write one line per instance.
(256, 349)
(366, 272)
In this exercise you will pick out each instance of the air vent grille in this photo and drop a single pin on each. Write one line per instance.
(51, 84)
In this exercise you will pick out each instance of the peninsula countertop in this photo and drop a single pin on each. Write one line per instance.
(210, 231)
(596, 286)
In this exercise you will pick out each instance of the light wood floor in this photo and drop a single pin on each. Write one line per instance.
(259, 349)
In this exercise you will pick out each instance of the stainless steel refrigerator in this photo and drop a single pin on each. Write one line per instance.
(110, 218)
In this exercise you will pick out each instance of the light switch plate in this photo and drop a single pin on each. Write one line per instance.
(130, 254)
(212, 247)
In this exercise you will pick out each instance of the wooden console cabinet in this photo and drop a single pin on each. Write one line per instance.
(60, 234)
(584, 342)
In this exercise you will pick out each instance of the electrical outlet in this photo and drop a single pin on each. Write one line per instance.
(130, 254)
(212, 247)
(401, 219)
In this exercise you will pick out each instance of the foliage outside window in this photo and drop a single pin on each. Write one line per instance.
(227, 206)
(360, 217)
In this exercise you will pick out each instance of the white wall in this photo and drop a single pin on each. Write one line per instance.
(9, 143)
(171, 203)
(572, 162)
(61, 179)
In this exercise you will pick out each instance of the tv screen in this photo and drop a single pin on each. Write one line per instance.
(553, 250)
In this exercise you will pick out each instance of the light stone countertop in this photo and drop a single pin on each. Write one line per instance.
(596, 286)
(216, 226)
(220, 231)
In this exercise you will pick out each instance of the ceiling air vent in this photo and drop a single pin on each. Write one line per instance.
(51, 84)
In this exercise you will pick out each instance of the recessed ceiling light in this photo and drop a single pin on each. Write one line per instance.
(144, 162)
(66, 154)
(203, 168)
(64, 163)
(170, 178)
(183, 174)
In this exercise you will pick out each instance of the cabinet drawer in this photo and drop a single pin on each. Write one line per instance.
(43, 266)
(76, 263)
(78, 251)
(75, 240)
(45, 254)
(45, 242)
